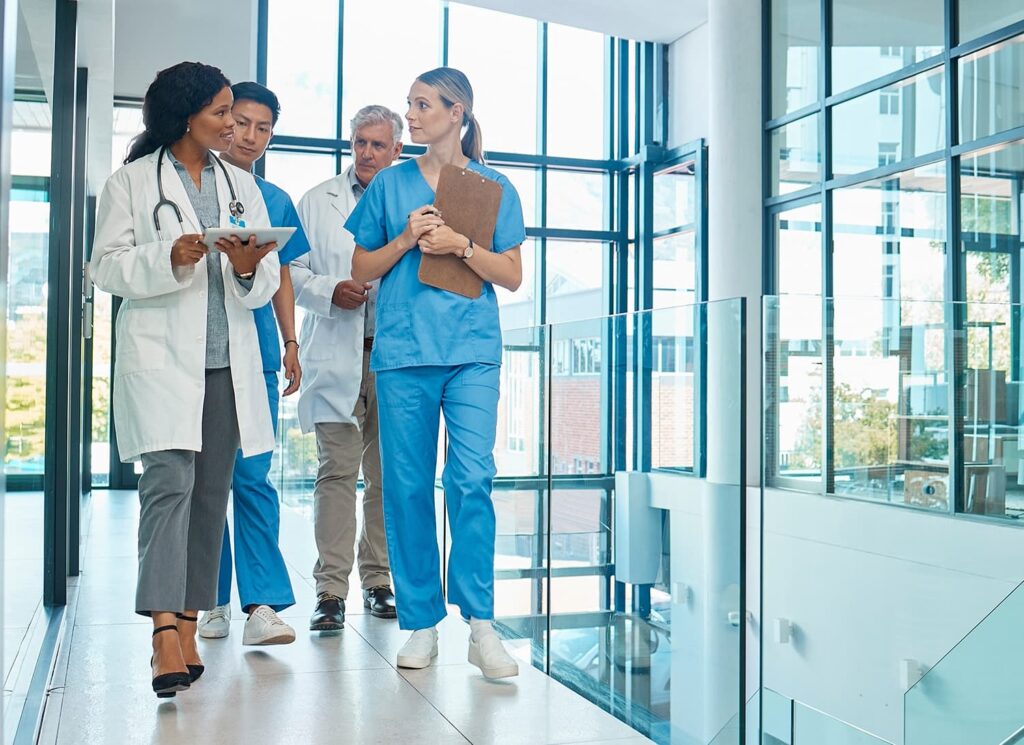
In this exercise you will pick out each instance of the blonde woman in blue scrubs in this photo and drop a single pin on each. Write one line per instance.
(437, 352)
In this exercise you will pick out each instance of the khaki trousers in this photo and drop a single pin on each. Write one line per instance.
(341, 449)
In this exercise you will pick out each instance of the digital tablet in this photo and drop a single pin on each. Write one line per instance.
(263, 235)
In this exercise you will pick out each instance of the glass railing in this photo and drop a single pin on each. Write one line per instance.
(974, 694)
(619, 511)
(619, 526)
(910, 402)
(894, 488)
(789, 722)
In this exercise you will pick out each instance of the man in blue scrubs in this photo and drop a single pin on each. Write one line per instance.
(263, 584)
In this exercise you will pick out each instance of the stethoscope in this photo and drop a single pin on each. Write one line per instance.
(234, 206)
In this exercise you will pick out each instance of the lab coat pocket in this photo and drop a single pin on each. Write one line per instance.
(141, 340)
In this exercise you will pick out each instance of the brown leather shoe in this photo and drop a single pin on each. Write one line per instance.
(381, 602)
(329, 614)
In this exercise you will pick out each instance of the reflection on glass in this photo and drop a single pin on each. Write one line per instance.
(577, 104)
(796, 41)
(872, 38)
(890, 236)
(373, 76)
(796, 350)
(675, 197)
(306, 83)
(888, 125)
(477, 39)
(970, 695)
(675, 270)
(889, 399)
(979, 17)
(991, 240)
(29, 228)
(673, 387)
(575, 280)
(101, 378)
(990, 86)
(297, 173)
(127, 124)
(796, 155)
(577, 199)
(519, 308)
(525, 182)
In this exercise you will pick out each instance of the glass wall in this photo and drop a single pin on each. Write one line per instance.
(26, 319)
(892, 206)
(558, 152)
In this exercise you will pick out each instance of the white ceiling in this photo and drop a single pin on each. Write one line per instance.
(643, 20)
(153, 34)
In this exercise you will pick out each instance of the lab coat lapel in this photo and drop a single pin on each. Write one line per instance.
(175, 191)
(343, 201)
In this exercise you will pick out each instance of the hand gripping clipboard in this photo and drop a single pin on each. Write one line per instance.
(468, 203)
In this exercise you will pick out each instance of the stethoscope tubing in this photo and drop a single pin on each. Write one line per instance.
(235, 207)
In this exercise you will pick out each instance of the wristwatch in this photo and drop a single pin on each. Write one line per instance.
(467, 253)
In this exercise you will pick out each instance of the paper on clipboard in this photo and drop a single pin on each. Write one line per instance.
(469, 204)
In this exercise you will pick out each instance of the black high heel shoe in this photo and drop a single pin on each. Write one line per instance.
(168, 684)
(194, 671)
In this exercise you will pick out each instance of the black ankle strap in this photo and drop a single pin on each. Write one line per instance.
(164, 628)
(190, 619)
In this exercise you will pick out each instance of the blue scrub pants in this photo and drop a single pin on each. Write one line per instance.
(409, 404)
(259, 566)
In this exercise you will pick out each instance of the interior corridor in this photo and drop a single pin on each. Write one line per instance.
(340, 687)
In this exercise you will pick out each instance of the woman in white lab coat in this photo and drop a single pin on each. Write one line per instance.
(188, 383)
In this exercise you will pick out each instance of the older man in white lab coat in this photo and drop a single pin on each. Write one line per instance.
(338, 398)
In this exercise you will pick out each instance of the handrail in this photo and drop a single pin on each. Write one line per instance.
(1015, 738)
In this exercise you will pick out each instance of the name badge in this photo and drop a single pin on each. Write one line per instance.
(236, 221)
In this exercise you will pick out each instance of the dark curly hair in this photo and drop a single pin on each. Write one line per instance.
(176, 94)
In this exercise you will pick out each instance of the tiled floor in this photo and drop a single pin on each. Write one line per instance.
(339, 688)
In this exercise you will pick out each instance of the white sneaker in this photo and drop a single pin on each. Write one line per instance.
(265, 627)
(420, 650)
(216, 623)
(488, 653)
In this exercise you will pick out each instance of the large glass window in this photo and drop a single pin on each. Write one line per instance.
(473, 47)
(979, 17)
(577, 126)
(796, 155)
(872, 38)
(306, 77)
(373, 76)
(889, 125)
(875, 422)
(796, 38)
(990, 90)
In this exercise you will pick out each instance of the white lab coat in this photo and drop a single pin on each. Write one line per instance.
(160, 364)
(331, 338)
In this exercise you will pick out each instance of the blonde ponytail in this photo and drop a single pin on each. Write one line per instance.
(453, 87)
(473, 141)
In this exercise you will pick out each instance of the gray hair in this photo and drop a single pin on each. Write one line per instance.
(370, 115)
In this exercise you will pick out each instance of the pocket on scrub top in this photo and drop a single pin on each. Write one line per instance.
(393, 334)
(141, 340)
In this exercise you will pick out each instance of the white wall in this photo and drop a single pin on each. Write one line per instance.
(153, 34)
(688, 87)
(867, 586)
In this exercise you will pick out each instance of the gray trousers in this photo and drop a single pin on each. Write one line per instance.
(184, 497)
(341, 449)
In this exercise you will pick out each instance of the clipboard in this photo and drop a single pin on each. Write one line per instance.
(469, 204)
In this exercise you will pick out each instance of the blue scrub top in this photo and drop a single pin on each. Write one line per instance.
(418, 324)
(282, 215)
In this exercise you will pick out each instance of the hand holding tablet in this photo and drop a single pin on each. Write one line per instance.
(264, 236)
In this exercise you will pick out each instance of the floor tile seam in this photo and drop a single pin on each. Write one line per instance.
(253, 675)
(398, 672)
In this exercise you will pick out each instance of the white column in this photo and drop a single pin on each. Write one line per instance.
(735, 203)
(735, 208)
